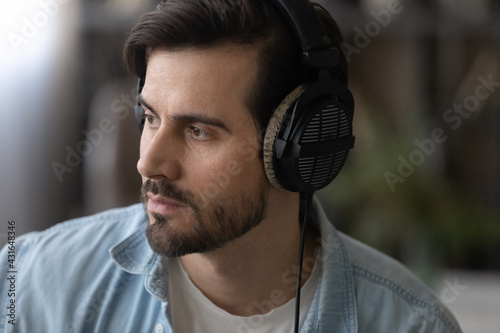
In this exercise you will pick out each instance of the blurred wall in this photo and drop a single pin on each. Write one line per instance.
(38, 66)
(69, 143)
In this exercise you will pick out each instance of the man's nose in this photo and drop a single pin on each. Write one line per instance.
(159, 155)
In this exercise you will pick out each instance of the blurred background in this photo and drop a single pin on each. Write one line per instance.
(422, 184)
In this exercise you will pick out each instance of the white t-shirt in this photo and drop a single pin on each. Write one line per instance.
(192, 312)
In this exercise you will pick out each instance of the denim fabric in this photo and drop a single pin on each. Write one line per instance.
(98, 274)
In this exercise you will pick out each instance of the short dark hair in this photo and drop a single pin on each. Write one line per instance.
(180, 24)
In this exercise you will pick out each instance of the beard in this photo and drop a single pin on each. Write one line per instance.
(209, 226)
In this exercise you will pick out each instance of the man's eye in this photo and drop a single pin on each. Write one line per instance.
(151, 120)
(198, 133)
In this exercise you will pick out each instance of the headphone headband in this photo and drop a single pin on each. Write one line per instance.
(318, 51)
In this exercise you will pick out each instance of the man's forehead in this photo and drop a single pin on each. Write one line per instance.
(214, 81)
(230, 67)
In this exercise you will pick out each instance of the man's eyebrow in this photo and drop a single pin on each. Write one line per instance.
(188, 118)
(141, 101)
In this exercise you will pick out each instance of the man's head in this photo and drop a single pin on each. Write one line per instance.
(214, 71)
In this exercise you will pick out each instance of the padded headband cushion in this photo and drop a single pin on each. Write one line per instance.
(273, 128)
(305, 23)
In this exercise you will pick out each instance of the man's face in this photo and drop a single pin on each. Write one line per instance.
(203, 182)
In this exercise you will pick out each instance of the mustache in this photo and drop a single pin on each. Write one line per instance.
(166, 189)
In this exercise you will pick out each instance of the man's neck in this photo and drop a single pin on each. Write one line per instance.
(259, 267)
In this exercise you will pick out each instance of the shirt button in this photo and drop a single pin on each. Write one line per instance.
(159, 328)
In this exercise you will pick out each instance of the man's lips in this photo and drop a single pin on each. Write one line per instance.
(163, 205)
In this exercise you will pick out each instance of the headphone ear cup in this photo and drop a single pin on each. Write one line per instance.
(319, 146)
(138, 109)
(139, 116)
(307, 140)
(273, 128)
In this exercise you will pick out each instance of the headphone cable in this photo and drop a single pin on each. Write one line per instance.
(308, 195)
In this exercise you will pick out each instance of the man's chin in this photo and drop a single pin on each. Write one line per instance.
(171, 244)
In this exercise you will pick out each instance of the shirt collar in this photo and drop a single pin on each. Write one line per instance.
(133, 254)
(334, 305)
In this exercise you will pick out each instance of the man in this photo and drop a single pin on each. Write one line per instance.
(214, 246)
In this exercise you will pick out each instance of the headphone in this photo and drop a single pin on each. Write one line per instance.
(309, 135)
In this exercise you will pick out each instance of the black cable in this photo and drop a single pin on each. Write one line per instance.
(307, 205)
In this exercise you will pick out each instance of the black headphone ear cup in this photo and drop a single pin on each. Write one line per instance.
(138, 109)
(320, 146)
(308, 138)
(272, 130)
(139, 116)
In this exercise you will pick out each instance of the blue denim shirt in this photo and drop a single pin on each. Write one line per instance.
(98, 274)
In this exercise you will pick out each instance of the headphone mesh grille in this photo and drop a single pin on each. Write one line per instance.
(330, 123)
